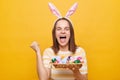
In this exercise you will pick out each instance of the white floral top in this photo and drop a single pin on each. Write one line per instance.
(59, 73)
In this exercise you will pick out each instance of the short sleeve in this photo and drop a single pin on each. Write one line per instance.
(47, 56)
(80, 52)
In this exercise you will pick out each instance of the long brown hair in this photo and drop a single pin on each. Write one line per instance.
(72, 45)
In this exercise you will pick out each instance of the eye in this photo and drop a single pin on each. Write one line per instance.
(58, 28)
(67, 28)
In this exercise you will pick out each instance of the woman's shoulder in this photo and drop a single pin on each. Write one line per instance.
(48, 50)
(79, 49)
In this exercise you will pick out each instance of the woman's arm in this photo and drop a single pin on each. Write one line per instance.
(79, 76)
(42, 71)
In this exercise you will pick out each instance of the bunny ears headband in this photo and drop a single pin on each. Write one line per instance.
(56, 12)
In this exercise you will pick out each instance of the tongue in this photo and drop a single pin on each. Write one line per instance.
(62, 40)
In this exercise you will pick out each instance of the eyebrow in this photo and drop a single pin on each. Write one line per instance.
(60, 27)
(67, 27)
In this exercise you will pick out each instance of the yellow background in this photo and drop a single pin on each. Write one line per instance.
(96, 24)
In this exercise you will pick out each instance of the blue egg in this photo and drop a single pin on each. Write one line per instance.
(64, 60)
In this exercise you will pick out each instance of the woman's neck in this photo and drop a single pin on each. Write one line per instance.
(64, 48)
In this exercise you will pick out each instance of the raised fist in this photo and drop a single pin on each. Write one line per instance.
(35, 46)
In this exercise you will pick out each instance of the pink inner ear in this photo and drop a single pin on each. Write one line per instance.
(54, 10)
(72, 10)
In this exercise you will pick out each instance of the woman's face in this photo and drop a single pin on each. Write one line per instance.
(62, 32)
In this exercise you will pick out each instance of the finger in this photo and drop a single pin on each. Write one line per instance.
(73, 68)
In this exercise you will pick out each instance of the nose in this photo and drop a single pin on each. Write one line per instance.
(63, 31)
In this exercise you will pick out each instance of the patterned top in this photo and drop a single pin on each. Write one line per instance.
(59, 73)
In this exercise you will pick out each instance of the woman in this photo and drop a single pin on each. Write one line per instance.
(63, 45)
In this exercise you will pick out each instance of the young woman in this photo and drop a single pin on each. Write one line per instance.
(63, 45)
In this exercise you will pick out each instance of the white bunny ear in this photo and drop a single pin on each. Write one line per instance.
(54, 10)
(71, 10)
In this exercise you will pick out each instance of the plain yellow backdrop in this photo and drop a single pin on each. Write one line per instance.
(96, 25)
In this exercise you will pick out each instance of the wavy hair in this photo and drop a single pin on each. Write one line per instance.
(71, 43)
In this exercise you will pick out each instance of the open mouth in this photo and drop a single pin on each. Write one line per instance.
(63, 37)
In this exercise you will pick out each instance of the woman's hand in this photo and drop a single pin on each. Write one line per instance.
(77, 74)
(35, 47)
(74, 68)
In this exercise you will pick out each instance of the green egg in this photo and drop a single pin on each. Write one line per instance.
(77, 61)
(53, 60)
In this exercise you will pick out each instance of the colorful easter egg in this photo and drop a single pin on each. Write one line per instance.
(64, 60)
(77, 61)
(79, 58)
(53, 60)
